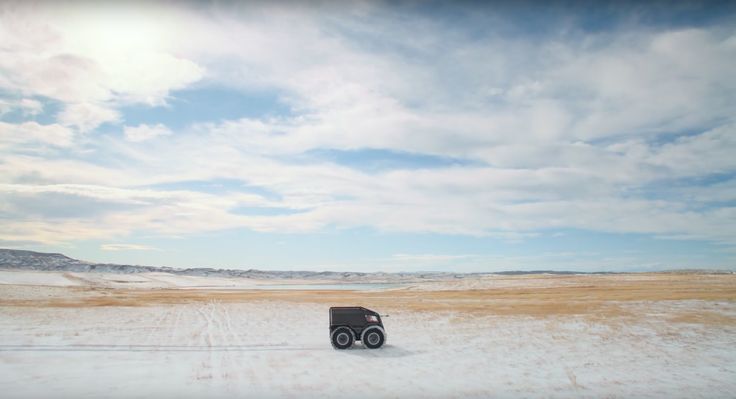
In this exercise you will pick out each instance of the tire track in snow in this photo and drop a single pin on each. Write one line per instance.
(213, 365)
(225, 363)
(155, 327)
(249, 378)
(234, 337)
(245, 377)
(174, 329)
(202, 337)
(205, 331)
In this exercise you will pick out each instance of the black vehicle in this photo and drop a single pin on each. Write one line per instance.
(350, 324)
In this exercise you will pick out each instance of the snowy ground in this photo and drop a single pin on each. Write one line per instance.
(275, 348)
(134, 280)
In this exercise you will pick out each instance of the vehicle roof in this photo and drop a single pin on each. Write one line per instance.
(360, 308)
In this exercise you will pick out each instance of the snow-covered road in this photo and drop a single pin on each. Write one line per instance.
(279, 349)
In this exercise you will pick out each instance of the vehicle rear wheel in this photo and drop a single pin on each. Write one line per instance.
(373, 338)
(342, 338)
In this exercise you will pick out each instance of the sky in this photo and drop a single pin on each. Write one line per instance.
(371, 136)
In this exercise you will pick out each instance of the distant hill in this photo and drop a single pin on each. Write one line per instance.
(41, 261)
(30, 260)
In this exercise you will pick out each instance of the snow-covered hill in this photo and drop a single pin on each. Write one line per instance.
(30, 260)
(15, 259)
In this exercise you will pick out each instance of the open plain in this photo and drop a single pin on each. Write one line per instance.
(620, 335)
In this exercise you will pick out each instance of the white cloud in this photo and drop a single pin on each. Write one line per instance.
(694, 155)
(27, 106)
(127, 247)
(32, 132)
(613, 88)
(52, 211)
(90, 57)
(566, 131)
(429, 257)
(145, 132)
(31, 107)
(5, 107)
(87, 116)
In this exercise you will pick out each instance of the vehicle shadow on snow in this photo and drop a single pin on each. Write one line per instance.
(384, 351)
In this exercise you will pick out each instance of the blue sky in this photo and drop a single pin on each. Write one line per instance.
(371, 136)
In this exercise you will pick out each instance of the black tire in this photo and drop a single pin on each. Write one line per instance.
(342, 338)
(373, 338)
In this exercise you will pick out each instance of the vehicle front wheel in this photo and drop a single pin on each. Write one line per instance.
(342, 338)
(373, 338)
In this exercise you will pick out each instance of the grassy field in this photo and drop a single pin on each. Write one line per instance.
(595, 296)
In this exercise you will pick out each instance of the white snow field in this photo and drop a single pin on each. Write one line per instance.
(273, 348)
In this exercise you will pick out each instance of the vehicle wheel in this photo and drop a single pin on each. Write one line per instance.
(342, 338)
(373, 338)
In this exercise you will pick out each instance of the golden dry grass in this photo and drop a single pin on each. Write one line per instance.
(598, 296)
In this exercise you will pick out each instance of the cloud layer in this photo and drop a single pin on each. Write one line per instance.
(628, 129)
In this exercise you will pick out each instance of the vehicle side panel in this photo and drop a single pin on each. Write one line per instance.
(353, 317)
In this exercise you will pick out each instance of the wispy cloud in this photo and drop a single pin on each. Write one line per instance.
(429, 257)
(145, 132)
(127, 247)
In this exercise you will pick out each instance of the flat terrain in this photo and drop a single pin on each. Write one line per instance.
(632, 335)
